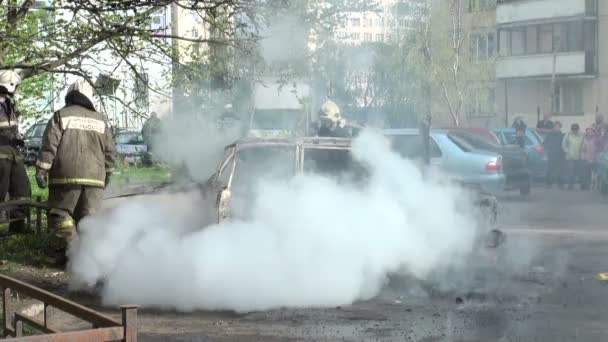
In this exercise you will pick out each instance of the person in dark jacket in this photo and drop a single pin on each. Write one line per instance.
(13, 177)
(76, 161)
(555, 155)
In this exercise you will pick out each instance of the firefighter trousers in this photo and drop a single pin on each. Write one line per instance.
(70, 204)
(14, 183)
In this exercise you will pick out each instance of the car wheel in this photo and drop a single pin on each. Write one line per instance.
(525, 189)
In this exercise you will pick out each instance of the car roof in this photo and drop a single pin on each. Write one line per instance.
(316, 142)
(410, 131)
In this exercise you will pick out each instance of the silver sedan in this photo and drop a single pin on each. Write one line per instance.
(454, 156)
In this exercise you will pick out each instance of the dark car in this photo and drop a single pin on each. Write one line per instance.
(33, 142)
(537, 158)
(514, 160)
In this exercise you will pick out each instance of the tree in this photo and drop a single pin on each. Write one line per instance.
(446, 46)
(85, 37)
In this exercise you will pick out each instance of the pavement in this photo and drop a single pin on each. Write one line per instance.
(544, 286)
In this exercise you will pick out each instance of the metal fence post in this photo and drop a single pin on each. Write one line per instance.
(38, 216)
(7, 311)
(129, 322)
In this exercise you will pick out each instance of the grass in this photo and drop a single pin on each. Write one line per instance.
(123, 175)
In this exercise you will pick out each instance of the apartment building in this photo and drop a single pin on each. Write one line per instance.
(378, 25)
(542, 43)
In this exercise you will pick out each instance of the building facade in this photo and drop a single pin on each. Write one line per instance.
(551, 60)
(378, 25)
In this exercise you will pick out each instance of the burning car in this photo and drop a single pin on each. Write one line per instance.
(230, 190)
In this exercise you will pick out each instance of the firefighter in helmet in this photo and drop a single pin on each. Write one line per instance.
(13, 177)
(76, 161)
(332, 122)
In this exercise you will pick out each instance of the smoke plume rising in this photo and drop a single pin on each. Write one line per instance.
(310, 242)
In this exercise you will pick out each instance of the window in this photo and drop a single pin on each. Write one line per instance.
(518, 41)
(569, 98)
(531, 39)
(158, 22)
(378, 22)
(367, 37)
(545, 39)
(481, 5)
(483, 46)
(356, 22)
(342, 35)
(575, 36)
(367, 22)
(411, 147)
(379, 37)
(505, 39)
(355, 36)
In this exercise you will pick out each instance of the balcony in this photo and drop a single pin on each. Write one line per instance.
(512, 12)
(579, 63)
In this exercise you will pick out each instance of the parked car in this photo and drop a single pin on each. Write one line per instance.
(33, 142)
(537, 159)
(514, 160)
(453, 155)
(130, 145)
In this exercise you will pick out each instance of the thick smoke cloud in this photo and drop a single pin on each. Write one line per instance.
(311, 242)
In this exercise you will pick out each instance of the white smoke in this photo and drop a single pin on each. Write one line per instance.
(311, 241)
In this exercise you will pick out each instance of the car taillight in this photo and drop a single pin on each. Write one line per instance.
(539, 149)
(494, 166)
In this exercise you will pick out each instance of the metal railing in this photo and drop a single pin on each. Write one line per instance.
(103, 329)
(26, 206)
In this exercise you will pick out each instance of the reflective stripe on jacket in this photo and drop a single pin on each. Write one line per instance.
(77, 147)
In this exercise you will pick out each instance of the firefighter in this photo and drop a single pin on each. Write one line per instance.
(332, 122)
(76, 162)
(13, 177)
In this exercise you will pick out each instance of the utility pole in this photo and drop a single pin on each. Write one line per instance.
(553, 88)
(175, 58)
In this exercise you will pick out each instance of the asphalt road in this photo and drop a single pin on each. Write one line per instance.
(541, 287)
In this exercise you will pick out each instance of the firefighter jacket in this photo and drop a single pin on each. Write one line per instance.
(9, 125)
(77, 147)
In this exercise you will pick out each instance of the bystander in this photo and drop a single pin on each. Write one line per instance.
(555, 155)
(572, 146)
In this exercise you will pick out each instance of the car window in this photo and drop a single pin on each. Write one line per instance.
(476, 141)
(462, 144)
(410, 146)
(36, 131)
(334, 163)
(511, 139)
(263, 162)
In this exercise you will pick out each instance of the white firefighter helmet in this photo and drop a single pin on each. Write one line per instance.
(9, 80)
(83, 87)
(330, 112)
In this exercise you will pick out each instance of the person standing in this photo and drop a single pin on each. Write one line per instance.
(76, 162)
(545, 124)
(572, 146)
(588, 156)
(555, 155)
(13, 176)
(151, 130)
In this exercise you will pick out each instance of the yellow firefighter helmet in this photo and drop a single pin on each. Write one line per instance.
(9, 80)
(330, 112)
